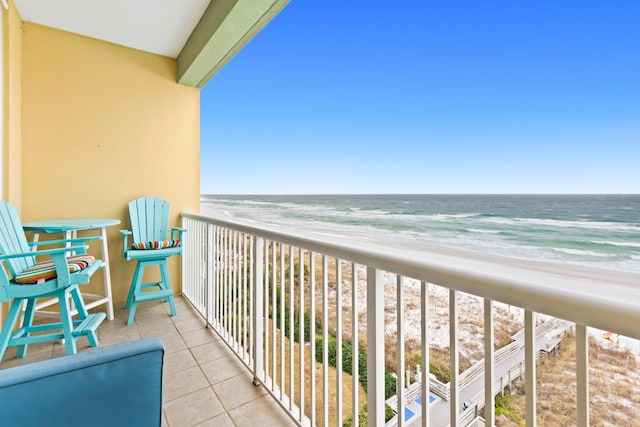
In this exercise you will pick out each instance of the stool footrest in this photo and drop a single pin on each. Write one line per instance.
(151, 295)
(89, 324)
(21, 339)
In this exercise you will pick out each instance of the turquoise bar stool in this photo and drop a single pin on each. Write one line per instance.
(153, 243)
(58, 275)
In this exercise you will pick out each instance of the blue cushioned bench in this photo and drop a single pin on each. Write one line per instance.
(117, 385)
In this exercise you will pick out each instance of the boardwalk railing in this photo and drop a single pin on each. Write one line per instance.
(301, 311)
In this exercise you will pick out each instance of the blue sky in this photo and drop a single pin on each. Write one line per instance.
(429, 97)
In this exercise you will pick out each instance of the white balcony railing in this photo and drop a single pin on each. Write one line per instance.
(256, 284)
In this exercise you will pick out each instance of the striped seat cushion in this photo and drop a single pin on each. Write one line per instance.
(159, 244)
(44, 271)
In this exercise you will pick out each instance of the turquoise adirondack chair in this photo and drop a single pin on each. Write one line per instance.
(150, 230)
(22, 279)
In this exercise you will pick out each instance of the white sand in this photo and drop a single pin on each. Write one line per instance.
(470, 308)
(471, 315)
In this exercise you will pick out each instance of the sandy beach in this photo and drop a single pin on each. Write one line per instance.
(583, 282)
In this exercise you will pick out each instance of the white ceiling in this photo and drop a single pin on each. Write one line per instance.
(157, 26)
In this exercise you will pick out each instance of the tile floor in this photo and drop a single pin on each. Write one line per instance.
(204, 383)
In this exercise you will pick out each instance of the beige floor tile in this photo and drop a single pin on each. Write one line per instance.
(182, 303)
(186, 313)
(193, 409)
(113, 326)
(182, 383)
(172, 344)
(237, 391)
(262, 412)
(148, 309)
(221, 420)
(42, 347)
(189, 325)
(211, 351)
(153, 316)
(124, 334)
(199, 337)
(119, 314)
(154, 319)
(158, 329)
(178, 361)
(222, 369)
(10, 361)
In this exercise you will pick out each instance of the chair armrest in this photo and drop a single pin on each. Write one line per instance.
(59, 259)
(44, 252)
(178, 231)
(80, 240)
(125, 234)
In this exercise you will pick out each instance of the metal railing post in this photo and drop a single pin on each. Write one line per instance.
(454, 358)
(400, 377)
(257, 317)
(582, 375)
(375, 347)
(210, 264)
(530, 367)
(424, 327)
(489, 395)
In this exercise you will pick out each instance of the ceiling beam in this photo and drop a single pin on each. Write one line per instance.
(224, 29)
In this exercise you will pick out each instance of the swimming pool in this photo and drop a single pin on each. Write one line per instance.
(431, 400)
(408, 413)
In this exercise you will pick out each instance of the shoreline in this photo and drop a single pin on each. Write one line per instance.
(577, 271)
(580, 270)
(583, 234)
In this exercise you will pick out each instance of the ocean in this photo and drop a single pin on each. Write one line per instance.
(601, 231)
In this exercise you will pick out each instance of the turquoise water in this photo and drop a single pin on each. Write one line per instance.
(595, 230)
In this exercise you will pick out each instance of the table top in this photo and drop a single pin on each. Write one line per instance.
(68, 224)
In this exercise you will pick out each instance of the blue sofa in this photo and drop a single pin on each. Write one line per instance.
(117, 385)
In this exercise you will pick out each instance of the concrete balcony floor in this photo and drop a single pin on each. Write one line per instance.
(204, 383)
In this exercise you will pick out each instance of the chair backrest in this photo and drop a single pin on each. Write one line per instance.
(117, 385)
(149, 219)
(13, 239)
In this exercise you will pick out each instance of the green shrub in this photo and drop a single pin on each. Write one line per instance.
(347, 365)
(442, 375)
(389, 385)
(287, 318)
(503, 407)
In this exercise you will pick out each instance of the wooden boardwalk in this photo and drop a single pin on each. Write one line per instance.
(508, 367)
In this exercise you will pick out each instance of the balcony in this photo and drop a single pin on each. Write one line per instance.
(112, 108)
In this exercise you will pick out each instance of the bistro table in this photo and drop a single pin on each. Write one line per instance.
(70, 227)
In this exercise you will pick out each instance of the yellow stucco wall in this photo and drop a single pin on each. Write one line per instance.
(12, 106)
(102, 125)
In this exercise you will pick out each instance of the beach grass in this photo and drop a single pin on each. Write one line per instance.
(614, 386)
(347, 383)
